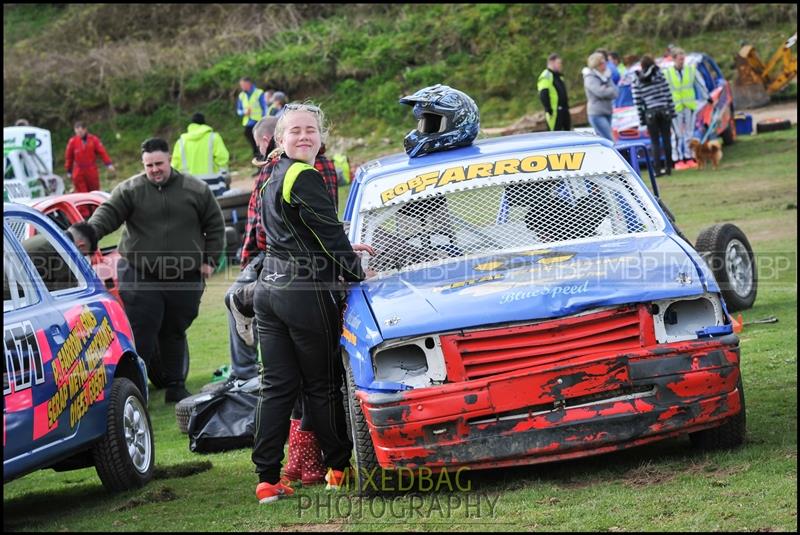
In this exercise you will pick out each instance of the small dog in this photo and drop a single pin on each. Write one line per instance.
(708, 152)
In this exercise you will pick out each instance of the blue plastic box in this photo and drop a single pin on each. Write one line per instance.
(744, 124)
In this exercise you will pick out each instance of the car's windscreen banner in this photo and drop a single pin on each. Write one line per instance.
(490, 171)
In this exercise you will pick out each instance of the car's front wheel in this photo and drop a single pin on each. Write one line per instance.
(729, 435)
(369, 474)
(125, 457)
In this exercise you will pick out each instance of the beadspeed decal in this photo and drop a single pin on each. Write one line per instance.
(565, 161)
(524, 259)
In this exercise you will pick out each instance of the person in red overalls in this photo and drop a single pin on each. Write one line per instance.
(81, 156)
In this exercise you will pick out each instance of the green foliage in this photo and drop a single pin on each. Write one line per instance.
(682, 20)
(26, 21)
(358, 60)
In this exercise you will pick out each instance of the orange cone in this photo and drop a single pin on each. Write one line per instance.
(738, 323)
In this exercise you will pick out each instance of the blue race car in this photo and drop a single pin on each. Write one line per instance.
(533, 302)
(74, 388)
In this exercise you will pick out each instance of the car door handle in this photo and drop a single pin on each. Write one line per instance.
(55, 333)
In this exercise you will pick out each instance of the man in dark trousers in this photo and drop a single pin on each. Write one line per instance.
(174, 234)
(553, 94)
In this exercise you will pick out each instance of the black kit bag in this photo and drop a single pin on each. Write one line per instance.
(224, 422)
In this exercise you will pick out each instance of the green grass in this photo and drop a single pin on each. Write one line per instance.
(25, 21)
(662, 487)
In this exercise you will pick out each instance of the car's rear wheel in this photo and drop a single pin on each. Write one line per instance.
(125, 457)
(369, 474)
(728, 435)
(729, 134)
(728, 254)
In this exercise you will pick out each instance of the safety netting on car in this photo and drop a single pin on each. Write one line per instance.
(18, 227)
(512, 216)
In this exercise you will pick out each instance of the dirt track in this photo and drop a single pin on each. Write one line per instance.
(781, 110)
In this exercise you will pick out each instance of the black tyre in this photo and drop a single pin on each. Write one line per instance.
(729, 435)
(228, 214)
(155, 371)
(773, 125)
(233, 199)
(728, 254)
(183, 408)
(369, 473)
(125, 457)
(233, 240)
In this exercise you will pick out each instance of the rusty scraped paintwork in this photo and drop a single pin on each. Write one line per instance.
(562, 408)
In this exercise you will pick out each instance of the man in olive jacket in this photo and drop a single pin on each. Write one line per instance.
(174, 234)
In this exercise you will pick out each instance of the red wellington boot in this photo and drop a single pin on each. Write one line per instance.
(293, 471)
(311, 459)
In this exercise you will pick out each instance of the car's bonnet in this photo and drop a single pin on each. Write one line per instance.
(530, 285)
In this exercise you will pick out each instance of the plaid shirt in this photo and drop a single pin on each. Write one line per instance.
(255, 238)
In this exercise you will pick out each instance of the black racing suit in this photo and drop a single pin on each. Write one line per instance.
(297, 314)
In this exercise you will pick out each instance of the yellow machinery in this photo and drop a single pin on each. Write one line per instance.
(754, 84)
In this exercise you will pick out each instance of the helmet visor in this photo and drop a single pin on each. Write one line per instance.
(432, 123)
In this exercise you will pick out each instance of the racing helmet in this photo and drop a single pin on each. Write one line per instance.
(446, 118)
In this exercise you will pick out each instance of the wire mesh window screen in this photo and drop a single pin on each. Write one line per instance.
(18, 227)
(490, 219)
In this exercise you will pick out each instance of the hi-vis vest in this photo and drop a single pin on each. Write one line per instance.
(546, 82)
(683, 87)
(185, 161)
(215, 181)
(342, 169)
(253, 103)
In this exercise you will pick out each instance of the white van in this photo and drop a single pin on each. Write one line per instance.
(28, 164)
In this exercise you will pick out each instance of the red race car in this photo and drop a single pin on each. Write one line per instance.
(70, 208)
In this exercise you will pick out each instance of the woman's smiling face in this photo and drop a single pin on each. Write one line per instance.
(301, 137)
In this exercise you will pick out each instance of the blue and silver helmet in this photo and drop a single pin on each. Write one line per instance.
(447, 118)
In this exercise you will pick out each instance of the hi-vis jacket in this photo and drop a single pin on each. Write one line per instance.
(200, 151)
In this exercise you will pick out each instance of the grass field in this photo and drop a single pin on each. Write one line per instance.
(663, 487)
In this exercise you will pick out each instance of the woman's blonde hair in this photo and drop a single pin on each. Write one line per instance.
(306, 106)
(595, 60)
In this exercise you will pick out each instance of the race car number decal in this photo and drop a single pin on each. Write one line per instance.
(24, 367)
(567, 161)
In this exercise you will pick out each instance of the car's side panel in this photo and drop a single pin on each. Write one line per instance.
(69, 345)
(359, 335)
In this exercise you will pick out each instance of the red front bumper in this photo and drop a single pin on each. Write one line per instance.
(579, 406)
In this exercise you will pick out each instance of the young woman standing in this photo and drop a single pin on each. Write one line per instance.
(296, 307)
